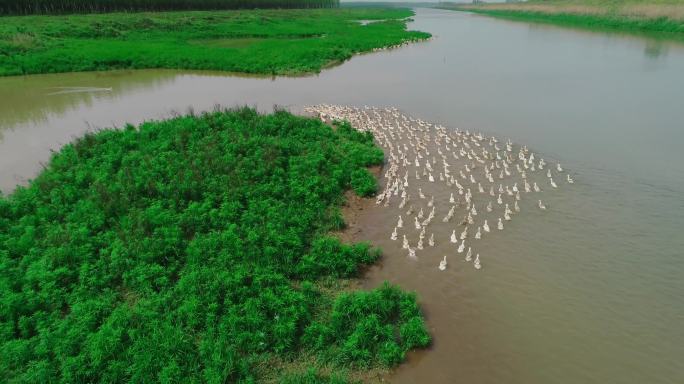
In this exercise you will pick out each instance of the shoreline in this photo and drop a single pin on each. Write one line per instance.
(592, 17)
(428, 173)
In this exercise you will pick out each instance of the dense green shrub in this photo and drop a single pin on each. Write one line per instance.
(310, 376)
(363, 182)
(186, 250)
(368, 328)
(329, 257)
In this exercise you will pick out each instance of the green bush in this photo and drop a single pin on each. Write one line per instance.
(181, 251)
(363, 182)
(369, 328)
(313, 377)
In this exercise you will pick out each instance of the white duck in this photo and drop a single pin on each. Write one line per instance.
(394, 234)
(453, 237)
(499, 225)
(485, 226)
(443, 264)
(541, 205)
(476, 263)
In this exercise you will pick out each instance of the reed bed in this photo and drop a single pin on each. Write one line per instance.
(635, 15)
(28, 7)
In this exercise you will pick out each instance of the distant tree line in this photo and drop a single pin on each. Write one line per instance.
(26, 7)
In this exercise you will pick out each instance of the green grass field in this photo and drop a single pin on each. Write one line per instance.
(196, 250)
(256, 41)
(653, 16)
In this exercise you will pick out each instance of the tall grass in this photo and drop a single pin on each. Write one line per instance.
(27, 7)
(660, 16)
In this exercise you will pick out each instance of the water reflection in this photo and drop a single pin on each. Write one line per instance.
(31, 99)
(655, 45)
(655, 49)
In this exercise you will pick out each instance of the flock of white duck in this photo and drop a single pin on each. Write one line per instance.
(482, 177)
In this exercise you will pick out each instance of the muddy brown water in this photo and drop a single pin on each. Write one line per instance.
(590, 292)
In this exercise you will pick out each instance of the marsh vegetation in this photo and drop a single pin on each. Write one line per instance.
(194, 250)
(256, 41)
(662, 16)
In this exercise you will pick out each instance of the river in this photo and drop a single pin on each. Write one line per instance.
(590, 294)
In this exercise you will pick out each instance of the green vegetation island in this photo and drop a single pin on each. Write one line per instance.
(199, 249)
(269, 42)
(652, 16)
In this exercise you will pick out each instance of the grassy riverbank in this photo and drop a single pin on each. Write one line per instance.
(659, 16)
(196, 250)
(258, 41)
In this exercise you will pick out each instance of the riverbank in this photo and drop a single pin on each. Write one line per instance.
(659, 16)
(276, 42)
(206, 239)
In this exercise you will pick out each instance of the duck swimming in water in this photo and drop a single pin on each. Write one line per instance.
(541, 205)
(394, 234)
(485, 226)
(443, 264)
(570, 180)
(478, 234)
(431, 240)
(461, 247)
(400, 222)
(476, 263)
(536, 187)
(469, 254)
(453, 237)
(499, 225)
